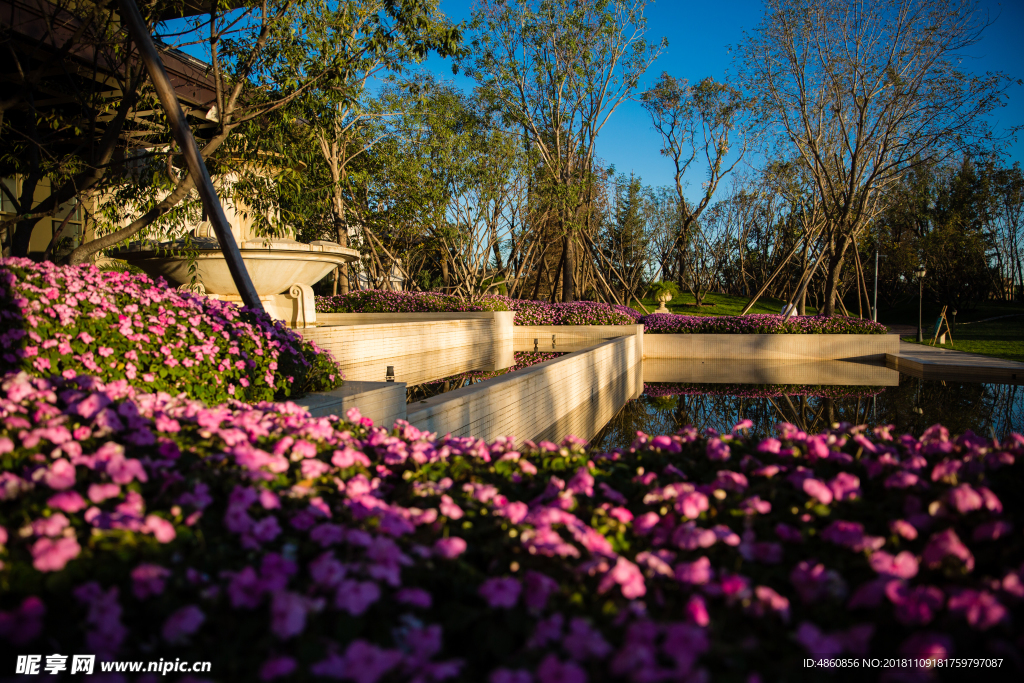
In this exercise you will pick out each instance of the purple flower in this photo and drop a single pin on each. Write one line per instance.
(148, 580)
(24, 624)
(552, 670)
(277, 667)
(183, 623)
(717, 450)
(698, 572)
(355, 597)
(981, 608)
(538, 589)
(902, 566)
(500, 592)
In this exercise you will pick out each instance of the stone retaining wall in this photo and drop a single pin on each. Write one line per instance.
(771, 346)
(575, 394)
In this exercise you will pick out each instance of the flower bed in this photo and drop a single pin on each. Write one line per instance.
(73, 321)
(670, 323)
(278, 546)
(379, 301)
(662, 389)
(522, 360)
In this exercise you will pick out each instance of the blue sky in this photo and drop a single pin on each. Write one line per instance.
(699, 35)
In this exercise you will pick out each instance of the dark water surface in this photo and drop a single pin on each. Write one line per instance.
(911, 406)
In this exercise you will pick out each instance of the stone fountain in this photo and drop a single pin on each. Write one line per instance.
(282, 269)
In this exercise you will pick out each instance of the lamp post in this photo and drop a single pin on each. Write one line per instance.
(920, 273)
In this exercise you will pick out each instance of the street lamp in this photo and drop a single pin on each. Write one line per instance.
(920, 273)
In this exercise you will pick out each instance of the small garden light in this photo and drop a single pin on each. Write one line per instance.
(389, 376)
(920, 273)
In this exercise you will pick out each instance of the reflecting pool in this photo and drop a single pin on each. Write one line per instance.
(909, 404)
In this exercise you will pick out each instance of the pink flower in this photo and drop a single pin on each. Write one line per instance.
(916, 605)
(717, 450)
(582, 483)
(68, 501)
(515, 512)
(767, 599)
(902, 566)
(903, 528)
(449, 508)
(148, 580)
(981, 608)
(901, 480)
(643, 524)
(161, 529)
(60, 475)
(691, 504)
(449, 548)
(697, 611)
(276, 667)
(817, 490)
(845, 486)
(965, 499)
(183, 623)
(49, 526)
(944, 544)
(551, 670)
(539, 588)
(697, 572)
(51, 555)
(629, 578)
(926, 645)
(500, 592)
(621, 514)
(100, 492)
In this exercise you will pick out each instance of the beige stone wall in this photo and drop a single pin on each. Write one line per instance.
(736, 371)
(576, 394)
(382, 402)
(420, 351)
(771, 346)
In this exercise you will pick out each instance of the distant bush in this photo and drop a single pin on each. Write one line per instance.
(70, 321)
(379, 301)
(669, 323)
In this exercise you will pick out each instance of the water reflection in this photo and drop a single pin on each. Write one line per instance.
(911, 406)
(520, 360)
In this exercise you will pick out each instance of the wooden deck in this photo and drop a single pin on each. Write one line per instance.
(928, 362)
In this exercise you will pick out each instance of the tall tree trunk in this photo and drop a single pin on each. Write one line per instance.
(568, 271)
(832, 273)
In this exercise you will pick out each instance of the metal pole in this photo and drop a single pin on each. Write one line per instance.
(920, 306)
(874, 306)
(193, 158)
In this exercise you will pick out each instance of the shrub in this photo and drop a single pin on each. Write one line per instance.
(378, 301)
(571, 313)
(73, 321)
(276, 545)
(670, 323)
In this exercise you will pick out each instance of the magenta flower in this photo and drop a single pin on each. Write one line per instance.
(161, 529)
(697, 611)
(980, 608)
(927, 645)
(916, 605)
(818, 643)
(903, 528)
(183, 623)
(902, 566)
(965, 499)
(449, 508)
(415, 597)
(500, 592)
(510, 676)
(691, 504)
(366, 663)
(67, 501)
(817, 490)
(277, 667)
(992, 530)
(288, 614)
(717, 450)
(697, 573)
(943, 544)
(449, 548)
(60, 475)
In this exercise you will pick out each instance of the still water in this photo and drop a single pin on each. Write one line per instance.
(908, 403)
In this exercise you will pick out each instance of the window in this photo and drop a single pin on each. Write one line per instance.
(6, 205)
(73, 230)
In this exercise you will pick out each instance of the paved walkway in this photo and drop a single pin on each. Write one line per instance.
(929, 362)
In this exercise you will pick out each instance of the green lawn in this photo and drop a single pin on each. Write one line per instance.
(724, 304)
(1000, 338)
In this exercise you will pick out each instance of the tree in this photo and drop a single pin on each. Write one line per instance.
(862, 91)
(694, 123)
(558, 69)
(375, 42)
